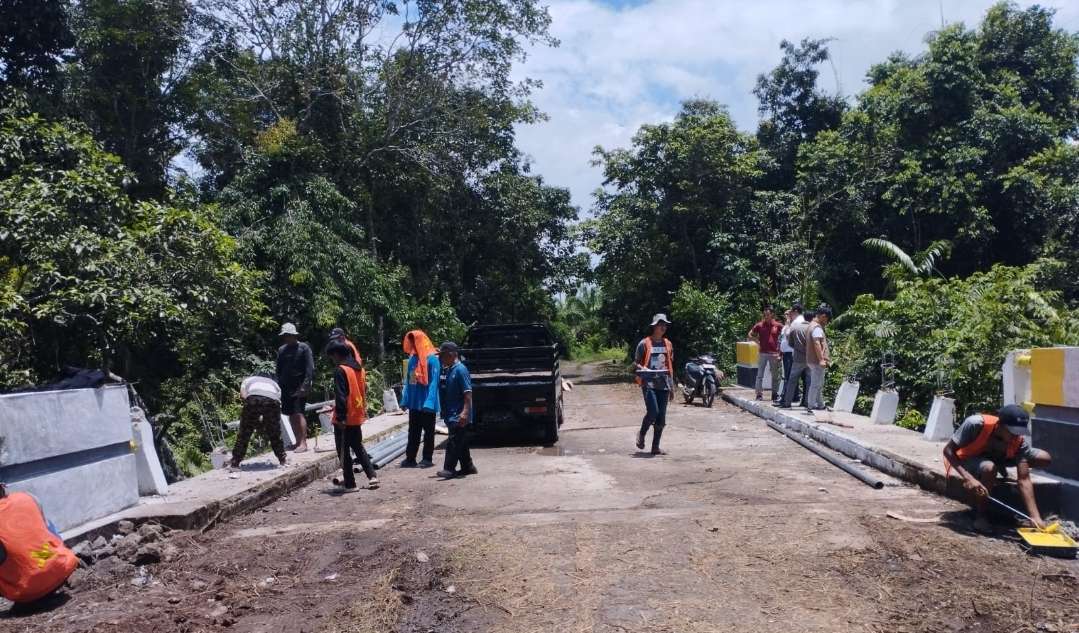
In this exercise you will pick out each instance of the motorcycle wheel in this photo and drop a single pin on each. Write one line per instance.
(687, 396)
(709, 396)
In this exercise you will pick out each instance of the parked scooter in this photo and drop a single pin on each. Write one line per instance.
(701, 379)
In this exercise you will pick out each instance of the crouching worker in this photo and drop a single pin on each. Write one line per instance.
(261, 412)
(349, 414)
(983, 447)
(34, 561)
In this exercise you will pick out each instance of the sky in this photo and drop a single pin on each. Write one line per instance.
(623, 63)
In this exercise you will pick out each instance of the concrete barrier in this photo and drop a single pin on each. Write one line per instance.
(885, 406)
(148, 466)
(72, 449)
(847, 396)
(941, 422)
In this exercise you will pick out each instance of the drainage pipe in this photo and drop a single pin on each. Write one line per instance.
(831, 459)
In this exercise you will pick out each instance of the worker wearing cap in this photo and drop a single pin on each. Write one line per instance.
(455, 396)
(295, 371)
(983, 447)
(349, 414)
(655, 375)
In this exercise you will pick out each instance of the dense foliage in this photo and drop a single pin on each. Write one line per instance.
(955, 172)
(178, 177)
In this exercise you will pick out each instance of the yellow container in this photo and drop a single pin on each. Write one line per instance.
(746, 353)
(1056, 543)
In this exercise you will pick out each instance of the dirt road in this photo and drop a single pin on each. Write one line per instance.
(738, 529)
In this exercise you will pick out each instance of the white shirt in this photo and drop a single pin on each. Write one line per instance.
(260, 386)
(784, 346)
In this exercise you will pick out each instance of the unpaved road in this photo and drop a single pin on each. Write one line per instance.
(738, 529)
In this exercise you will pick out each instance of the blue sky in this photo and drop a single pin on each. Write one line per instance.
(623, 63)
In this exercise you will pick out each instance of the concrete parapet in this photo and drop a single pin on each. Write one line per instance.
(847, 396)
(151, 477)
(941, 422)
(885, 406)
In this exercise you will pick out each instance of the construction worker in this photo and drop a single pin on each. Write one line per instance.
(457, 411)
(420, 398)
(295, 371)
(261, 411)
(983, 447)
(349, 414)
(34, 562)
(655, 375)
(338, 334)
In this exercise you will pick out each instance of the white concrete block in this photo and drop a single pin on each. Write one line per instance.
(940, 424)
(287, 436)
(885, 406)
(846, 396)
(1016, 378)
(45, 424)
(389, 401)
(151, 477)
(83, 493)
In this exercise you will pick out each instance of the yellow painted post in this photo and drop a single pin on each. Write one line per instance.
(1047, 376)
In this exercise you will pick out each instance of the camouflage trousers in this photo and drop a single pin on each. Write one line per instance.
(264, 415)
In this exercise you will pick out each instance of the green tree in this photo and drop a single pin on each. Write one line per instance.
(679, 205)
(92, 277)
(34, 35)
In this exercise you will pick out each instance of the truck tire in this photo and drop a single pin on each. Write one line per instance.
(550, 435)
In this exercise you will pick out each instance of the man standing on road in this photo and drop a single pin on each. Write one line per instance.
(793, 318)
(817, 357)
(655, 375)
(420, 398)
(797, 337)
(456, 400)
(295, 372)
(983, 447)
(766, 334)
(261, 411)
(349, 414)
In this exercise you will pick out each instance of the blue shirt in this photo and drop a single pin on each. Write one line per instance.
(419, 397)
(455, 384)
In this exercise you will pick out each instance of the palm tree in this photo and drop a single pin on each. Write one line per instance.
(904, 266)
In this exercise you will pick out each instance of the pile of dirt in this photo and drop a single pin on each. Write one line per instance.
(125, 551)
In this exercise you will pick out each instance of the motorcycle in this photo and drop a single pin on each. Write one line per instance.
(701, 379)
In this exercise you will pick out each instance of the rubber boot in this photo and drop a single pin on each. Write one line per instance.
(657, 432)
(640, 436)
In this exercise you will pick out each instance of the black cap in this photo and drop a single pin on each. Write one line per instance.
(337, 333)
(336, 347)
(1014, 417)
(448, 347)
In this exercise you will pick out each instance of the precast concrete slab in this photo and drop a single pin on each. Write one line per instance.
(72, 449)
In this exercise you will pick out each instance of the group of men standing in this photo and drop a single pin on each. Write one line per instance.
(800, 343)
(436, 380)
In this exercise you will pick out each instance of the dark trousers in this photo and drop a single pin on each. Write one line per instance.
(788, 360)
(655, 404)
(799, 370)
(351, 437)
(457, 449)
(420, 423)
(264, 415)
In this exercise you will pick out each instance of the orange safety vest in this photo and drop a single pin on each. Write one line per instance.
(37, 561)
(357, 396)
(977, 447)
(648, 356)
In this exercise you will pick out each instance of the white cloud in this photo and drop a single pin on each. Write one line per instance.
(618, 68)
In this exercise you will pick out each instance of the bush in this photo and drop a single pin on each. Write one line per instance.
(911, 419)
(952, 333)
(707, 320)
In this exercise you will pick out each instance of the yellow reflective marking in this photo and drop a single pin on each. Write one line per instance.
(1047, 375)
(43, 554)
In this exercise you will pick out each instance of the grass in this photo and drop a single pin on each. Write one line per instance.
(377, 611)
(606, 354)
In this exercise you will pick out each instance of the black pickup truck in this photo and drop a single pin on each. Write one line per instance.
(515, 378)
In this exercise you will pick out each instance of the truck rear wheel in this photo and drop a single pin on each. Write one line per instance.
(550, 435)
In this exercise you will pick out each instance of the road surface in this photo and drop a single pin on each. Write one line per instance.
(738, 529)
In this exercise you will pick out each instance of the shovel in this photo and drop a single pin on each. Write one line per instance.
(1052, 528)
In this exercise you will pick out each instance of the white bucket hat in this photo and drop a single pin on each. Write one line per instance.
(288, 328)
(660, 318)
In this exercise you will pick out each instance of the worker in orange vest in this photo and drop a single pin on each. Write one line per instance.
(349, 414)
(33, 560)
(655, 374)
(981, 450)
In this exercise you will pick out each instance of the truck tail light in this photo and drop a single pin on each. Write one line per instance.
(536, 409)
